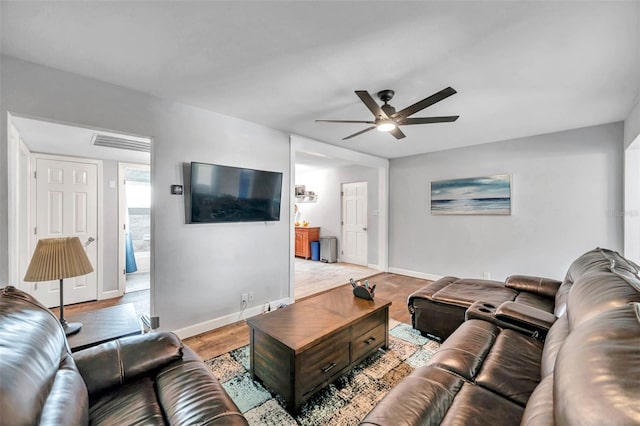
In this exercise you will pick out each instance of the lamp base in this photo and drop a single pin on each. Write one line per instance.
(70, 327)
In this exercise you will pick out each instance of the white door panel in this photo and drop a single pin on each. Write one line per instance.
(67, 206)
(354, 223)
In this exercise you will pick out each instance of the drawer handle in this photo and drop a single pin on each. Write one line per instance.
(328, 367)
(370, 340)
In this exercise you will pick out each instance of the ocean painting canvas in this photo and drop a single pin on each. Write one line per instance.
(479, 195)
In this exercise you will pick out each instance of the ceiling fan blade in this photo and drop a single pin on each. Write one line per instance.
(429, 120)
(397, 133)
(419, 106)
(373, 106)
(359, 133)
(344, 121)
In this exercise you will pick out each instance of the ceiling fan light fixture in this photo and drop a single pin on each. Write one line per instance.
(385, 126)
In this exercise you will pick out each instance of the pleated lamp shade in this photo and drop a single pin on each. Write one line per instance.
(58, 258)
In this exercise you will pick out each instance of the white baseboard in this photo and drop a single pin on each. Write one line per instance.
(415, 274)
(214, 323)
(372, 266)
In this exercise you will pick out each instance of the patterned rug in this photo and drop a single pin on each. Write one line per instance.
(345, 402)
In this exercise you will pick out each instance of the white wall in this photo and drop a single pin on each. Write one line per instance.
(110, 267)
(632, 125)
(200, 270)
(632, 201)
(566, 199)
(327, 211)
(632, 184)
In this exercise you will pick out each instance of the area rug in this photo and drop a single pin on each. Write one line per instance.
(345, 402)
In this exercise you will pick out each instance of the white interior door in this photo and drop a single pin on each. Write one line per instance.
(67, 206)
(354, 223)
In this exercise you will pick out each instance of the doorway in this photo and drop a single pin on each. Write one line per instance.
(66, 203)
(320, 178)
(31, 138)
(135, 180)
(354, 223)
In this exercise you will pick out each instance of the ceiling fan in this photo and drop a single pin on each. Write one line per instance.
(388, 120)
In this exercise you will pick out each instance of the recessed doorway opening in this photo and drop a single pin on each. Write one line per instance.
(136, 209)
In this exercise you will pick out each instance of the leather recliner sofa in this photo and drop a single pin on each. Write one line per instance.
(150, 379)
(586, 371)
(439, 308)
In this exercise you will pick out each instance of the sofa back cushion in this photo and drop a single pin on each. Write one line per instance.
(555, 338)
(38, 377)
(597, 292)
(120, 361)
(596, 260)
(597, 370)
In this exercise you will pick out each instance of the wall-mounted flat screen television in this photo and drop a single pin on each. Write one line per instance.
(233, 194)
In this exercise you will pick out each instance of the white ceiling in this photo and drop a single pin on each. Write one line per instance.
(520, 68)
(63, 139)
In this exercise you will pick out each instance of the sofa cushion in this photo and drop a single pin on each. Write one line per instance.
(421, 398)
(466, 349)
(132, 404)
(463, 292)
(536, 301)
(539, 409)
(119, 361)
(596, 260)
(512, 366)
(503, 361)
(535, 285)
(598, 369)
(67, 402)
(475, 405)
(552, 344)
(431, 396)
(191, 395)
(33, 347)
(597, 292)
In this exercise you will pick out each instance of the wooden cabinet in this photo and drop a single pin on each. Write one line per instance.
(298, 350)
(304, 236)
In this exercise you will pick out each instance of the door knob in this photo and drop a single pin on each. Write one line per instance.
(364, 229)
(89, 241)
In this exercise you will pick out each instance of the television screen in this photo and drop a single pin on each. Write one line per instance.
(233, 194)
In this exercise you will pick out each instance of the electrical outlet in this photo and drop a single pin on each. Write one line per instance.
(251, 296)
(486, 275)
(244, 298)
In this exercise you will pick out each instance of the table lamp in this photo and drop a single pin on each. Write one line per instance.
(56, 259)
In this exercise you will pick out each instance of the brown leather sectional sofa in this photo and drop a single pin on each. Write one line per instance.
(440, 307)
(487, 372)
(150, 379)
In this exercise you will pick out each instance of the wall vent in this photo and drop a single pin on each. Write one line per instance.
(130, 143)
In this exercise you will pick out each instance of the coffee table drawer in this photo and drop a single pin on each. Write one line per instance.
(322, 361)
(369, 323)
(368, 342)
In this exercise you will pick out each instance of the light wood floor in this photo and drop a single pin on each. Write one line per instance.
(393, 287)
(312, 277)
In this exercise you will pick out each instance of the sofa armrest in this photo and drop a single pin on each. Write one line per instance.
(546, 287)
(190, 395)
(114, 363)
(525, 314)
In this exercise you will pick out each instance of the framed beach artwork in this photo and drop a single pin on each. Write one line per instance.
(478, 195)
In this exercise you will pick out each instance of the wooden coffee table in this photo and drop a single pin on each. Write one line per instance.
(298, 350)
(103, 325)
